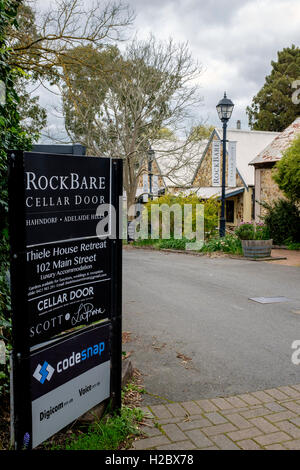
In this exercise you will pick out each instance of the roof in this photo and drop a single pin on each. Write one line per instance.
(210, 191)
(248, 144)
(273, 152)
(177, 161)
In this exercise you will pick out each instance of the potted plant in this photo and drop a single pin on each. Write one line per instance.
(255, 238)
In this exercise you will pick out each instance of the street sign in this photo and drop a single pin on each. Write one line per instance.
(68, 378)
(67, 277)
(64, 274)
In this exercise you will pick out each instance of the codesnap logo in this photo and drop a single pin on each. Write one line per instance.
(43, 372)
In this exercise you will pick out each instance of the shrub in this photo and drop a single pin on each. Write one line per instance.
(287, 171)
(252, 231)
(211, 207)
(245, 231)
(227, 244)
(283, 221)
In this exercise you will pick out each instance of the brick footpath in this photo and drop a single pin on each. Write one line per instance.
(268, 419)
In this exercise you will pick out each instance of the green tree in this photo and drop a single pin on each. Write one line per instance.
(273, 108)
(287, 171)
(201, 132)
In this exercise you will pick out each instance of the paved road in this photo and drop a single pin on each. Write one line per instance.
(195, 333)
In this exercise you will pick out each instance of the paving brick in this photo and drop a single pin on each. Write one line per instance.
(150, 442)
(290, 428)
(262, 411)
(221, 403)
(235, 410)
(239, 421)
(262, 396)
(290, 392)
(277, 394)
(169, 420)
(161, 411)
(275, 447)
(191, 407)
(194, 424)
(206, 405)
(251, 400)
(281, 416)
(292, 406)
(236, 402)
(199, 439)
(183, 445)
(293, 445)
(176, 409)
(296, 421)
(210, 448)
(173, 432)
(244, 434)
(264, 425)
(216, 418)
(274, 406)
(273, 438)
(218, 429)
(248, 444)
(268, 419)
(224, 443)
(150, 431)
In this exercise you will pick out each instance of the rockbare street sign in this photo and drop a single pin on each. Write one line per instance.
(64, 275)
(68, 268)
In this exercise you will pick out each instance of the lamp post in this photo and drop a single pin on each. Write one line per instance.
(224, 108)
(150, 160)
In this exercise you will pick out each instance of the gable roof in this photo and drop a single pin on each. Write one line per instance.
(273, 152)
(248, 144)
(177, 162)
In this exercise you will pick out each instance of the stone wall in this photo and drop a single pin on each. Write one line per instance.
(269, 191)
(203, 177)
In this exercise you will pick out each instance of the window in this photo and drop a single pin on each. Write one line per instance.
(230, 211)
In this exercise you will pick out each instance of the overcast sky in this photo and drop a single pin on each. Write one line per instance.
(234, 40)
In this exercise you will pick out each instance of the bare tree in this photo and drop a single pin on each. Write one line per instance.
(152, 85)
(42, 41)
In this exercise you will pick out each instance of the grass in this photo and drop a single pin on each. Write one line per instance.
(229, 244)
(110, 433)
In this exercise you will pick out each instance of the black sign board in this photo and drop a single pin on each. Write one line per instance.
(64, 273)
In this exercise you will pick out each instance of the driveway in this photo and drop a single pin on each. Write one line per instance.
(195, 334)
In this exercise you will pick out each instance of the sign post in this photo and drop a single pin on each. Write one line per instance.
(65, 275)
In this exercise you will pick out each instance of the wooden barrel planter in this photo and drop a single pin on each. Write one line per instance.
(257, 248)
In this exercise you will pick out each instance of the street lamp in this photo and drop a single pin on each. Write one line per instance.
(150, 160)
(224, 108)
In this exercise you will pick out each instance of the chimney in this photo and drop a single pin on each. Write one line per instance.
(239, 125)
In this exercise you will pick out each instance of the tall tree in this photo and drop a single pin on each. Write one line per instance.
(273, 108)
(119, 114)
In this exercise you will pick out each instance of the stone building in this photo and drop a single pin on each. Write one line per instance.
(266, 190)
(240, 188)
(180, 169)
